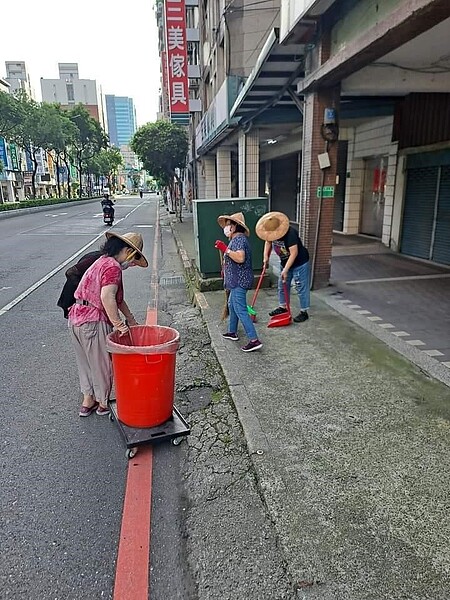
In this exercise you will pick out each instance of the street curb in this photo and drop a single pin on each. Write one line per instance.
(428, 365)
(256, 439)
(16, 212)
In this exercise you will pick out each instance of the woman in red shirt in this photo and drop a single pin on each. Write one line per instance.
(98, 303)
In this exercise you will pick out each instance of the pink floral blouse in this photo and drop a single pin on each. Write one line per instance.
(104, 271)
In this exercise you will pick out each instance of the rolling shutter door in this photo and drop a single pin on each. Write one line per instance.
(441, 248)
(418, 213)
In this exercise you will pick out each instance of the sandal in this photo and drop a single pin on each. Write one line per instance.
(102, 410)
(85, 411)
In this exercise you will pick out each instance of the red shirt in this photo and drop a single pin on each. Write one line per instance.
(104, 271)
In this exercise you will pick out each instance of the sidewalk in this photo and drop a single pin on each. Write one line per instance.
(350, 444)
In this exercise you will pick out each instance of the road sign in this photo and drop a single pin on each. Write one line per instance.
(325, 192)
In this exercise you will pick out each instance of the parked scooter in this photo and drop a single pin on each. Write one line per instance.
(108, 210)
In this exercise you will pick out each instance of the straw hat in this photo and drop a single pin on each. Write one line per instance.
(272, 226)
(236, 218)
(134, 240)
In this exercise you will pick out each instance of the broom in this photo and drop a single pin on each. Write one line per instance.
(225, 311)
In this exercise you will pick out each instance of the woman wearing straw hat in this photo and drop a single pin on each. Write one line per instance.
(98, 300)
(278, 235)
(238, 277)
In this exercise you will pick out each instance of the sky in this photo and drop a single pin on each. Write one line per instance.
(113, 41)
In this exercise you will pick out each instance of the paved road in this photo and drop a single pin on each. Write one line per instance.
(63, 478)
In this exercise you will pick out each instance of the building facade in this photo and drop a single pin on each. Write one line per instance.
(338, 111)
(18, 78)
(69, 90)
(121, 119)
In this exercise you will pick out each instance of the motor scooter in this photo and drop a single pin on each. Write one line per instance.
(108, 215)
(108, 211)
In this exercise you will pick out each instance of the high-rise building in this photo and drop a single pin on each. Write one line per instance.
(69, 90)
(18, 78)
(121, 117)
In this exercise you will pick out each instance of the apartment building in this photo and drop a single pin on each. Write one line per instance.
(69, 90)
(18, 78)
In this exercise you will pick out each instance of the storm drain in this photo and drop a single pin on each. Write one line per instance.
(175, 281)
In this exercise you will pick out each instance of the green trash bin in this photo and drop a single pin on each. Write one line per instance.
(207, 230)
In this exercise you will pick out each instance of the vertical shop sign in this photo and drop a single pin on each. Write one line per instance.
(3, 154)
(176, 56)
(14, 158)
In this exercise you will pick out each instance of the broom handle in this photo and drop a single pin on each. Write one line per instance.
(261, 277)
(286, 297)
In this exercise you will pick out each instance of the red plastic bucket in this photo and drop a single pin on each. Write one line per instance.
(144, 374)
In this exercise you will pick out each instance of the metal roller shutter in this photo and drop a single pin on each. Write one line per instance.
(441, 247)
(418, 213)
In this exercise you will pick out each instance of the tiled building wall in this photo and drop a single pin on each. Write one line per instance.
(366, 141)
(318, 239)
(223, 169)
(248, 153)
(252, 165)
(207, 179)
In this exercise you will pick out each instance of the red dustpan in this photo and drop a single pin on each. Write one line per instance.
(285, 318)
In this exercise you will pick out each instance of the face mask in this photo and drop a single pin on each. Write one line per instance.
(227, 230)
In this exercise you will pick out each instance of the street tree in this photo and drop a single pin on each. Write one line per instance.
(90, 139)
(106, 164)
(11, 114)
(162, 147)
(59, 134)
(28, 130)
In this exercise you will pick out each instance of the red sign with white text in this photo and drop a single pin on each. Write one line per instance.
(176, 55)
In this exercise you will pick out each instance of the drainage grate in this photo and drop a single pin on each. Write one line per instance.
(177, 280)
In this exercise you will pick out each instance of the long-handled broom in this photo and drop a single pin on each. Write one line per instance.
(225, 310)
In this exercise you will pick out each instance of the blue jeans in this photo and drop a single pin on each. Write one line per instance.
(300, 275)
(237, 305)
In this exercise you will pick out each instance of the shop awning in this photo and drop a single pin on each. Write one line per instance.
(272, 83)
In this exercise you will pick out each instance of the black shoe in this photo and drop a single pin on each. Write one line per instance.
(278, 311)
(301, 317)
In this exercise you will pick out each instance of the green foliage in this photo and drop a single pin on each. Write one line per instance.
(106, 162)
(40, 202)
(11, 114)
(162, 147)
(90, 138)
(60, 131)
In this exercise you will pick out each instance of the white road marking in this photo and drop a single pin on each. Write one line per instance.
(433, 352)
(400, 333)
(375, 318)
(353, 306)
(415, 342)
(36, 285)
(142, 226)
(345, 301)
(363, 312)
(446, 364)
(406, 278)
(5, 287)
(386, 325)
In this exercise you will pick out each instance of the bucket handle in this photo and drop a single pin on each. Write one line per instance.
(153, 359)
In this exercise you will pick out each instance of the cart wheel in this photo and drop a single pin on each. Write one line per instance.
(177, 441)
(130, 452)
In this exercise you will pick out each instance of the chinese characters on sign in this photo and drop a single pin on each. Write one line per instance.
(176, 56)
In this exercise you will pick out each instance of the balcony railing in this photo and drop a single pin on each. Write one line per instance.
(217, 117)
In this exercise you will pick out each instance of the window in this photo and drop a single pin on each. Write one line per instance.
(70, 92)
